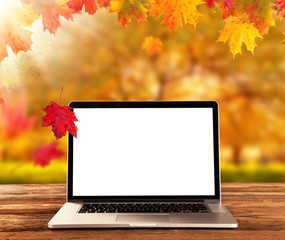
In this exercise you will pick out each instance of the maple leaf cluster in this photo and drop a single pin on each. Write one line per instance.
(256, 14)
(16, 15)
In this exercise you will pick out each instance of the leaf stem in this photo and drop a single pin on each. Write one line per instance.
(61, 95)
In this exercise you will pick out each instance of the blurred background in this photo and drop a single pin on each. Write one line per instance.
(95, 58)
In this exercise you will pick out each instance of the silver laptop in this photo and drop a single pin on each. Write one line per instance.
(144, 165)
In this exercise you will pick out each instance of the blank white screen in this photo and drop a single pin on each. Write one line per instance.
(143, 151)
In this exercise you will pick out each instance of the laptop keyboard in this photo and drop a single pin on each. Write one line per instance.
(139, 208)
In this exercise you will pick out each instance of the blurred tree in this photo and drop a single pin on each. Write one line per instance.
(95, 58)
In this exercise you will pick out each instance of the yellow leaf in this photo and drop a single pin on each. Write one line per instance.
(126, 8)
(238, 32)
(176, 11)
(152, 45)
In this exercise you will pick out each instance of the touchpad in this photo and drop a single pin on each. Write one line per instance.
(143, 218)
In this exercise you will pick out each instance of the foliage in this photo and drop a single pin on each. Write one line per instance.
(11, 20)
(152, 45)
(176, 12)
(249, 15)
(128, 8)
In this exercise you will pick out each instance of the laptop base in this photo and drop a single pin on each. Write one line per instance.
(217, 217)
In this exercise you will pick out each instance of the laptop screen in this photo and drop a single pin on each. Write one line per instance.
(144, 152)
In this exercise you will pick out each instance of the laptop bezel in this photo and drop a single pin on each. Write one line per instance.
(146, 104)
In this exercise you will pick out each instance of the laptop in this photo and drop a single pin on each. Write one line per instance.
(144, 165)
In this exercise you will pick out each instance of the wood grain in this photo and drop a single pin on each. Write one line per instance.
(259, 208)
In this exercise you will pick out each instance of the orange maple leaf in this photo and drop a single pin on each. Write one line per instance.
(176, 11)
(152, 45)
(128, 8)
(12, 18)
(91, 6)
(103, 3)
(50, 11)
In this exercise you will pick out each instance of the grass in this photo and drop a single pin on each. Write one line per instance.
(13, 173)
(253, 172)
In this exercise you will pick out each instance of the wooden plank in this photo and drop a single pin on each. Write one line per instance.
(26, 209)
(143, 234)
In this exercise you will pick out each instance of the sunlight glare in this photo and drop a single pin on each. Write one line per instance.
(5, 6)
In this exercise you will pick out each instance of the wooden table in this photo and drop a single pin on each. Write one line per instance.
(259, 208)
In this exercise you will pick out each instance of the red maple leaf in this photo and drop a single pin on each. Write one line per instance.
(61, 118)
(228, 7)
(281, 6)
(2, 100)
(14, 119)
(45, 153)
(76, 5)
(91, 6)
(210, 3)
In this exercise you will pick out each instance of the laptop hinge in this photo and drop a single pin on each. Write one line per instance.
(212, 201)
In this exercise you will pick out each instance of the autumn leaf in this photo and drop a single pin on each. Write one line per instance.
(227, 7)
(210, 3)
(91, 6)
(61, 118)
(128, 8)
(50, 10)
(176, 12)
(2, 99)
(257, 12)
(43, 155)
(12, 18)
(280, 6)
(14, 119)
(103, 3)
(239, 32)
(260, 13)
(9, 72)
(152, 45)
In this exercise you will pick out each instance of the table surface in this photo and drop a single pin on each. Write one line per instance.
(258, 207)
